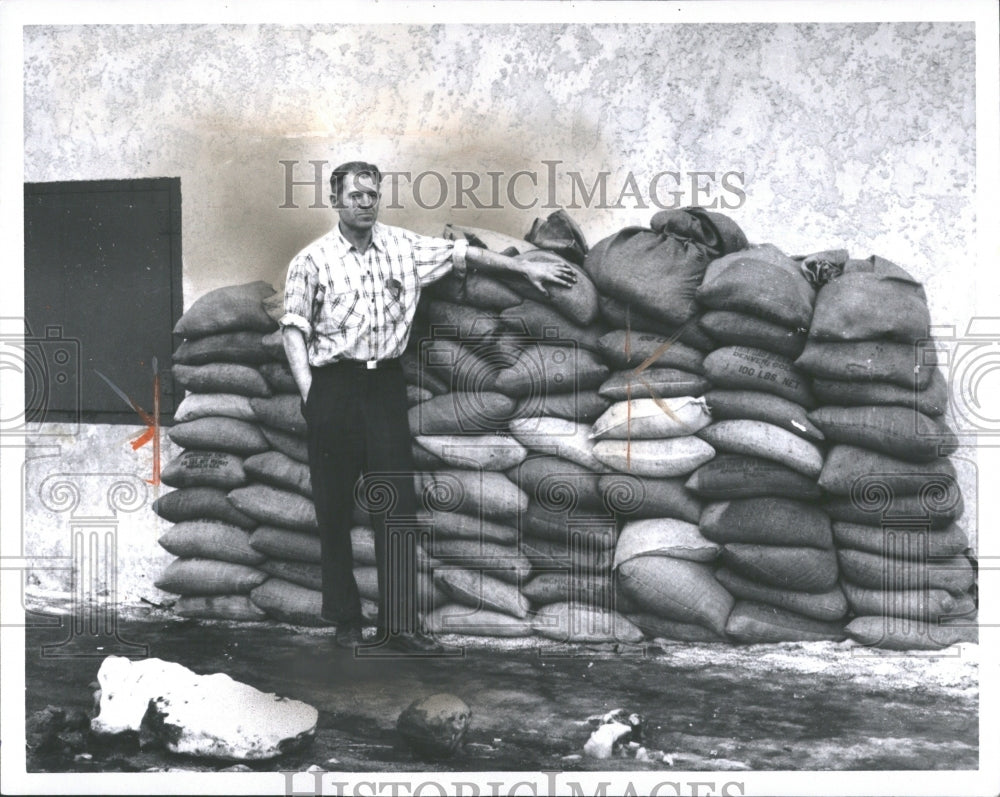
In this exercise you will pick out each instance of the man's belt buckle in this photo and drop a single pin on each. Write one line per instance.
(371, 365)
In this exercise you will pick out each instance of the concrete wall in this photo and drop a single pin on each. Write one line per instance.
(854, 136)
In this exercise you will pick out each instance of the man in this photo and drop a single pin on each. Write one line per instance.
(350, 298)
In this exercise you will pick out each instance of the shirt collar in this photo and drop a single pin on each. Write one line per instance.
(343, 245)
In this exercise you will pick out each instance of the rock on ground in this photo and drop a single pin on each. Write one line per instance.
(200, 715)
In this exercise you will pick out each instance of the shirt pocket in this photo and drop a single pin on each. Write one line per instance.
(342, 311)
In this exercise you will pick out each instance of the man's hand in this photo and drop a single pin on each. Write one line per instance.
(539, 272)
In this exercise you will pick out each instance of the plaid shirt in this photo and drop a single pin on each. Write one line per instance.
(360, 305)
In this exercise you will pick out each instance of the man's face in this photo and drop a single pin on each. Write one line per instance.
(358, 201)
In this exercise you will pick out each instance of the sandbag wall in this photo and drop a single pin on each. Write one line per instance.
(762, 507)
(661, 450)
(891, 489)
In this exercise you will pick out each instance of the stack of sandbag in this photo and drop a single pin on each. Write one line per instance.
(893, 495)
(218, 363)
(761, 490)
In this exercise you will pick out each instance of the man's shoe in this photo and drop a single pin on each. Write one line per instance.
(416, 642)
(349, 636)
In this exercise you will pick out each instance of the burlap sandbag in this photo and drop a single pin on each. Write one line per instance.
(219, 607)
(740, 329)
(274, 344)
(634, 497)
(462, 413)
(677, 589)
(278, 377)
(281, 412)
(578, 302)
(932, 400)
(288, 444)
(745, 368)
(580, 405)
(208, 577)
(757, 623)
(542, 369)
(874, 506)
(766, 521)
(228, 309)
(787, 566)
(417, 374)
(558, 586)
(663, 537)
(274, 506)
(226, 347)
(652, 418)
(572, 623)
(916, 542)
(827, 606)
(871, 299)
(623, 349)
(219, 434)
(919, 603)
(479, 589)
(537, 322)
(652, 383)
(290, 603)
(876, 632)
(475, 290)
(753, 405)
(624, 315)
(305, 574)
(277, 543)
(560, 523)
(909, 365)
(458, 365)
(455, 525)
(760, 281)
(504, 562)
(458, 618)
(760, 439)
(425, 460)
(664, 458)
(479, 493)
(656, 627)
(659, 269)
(200, 503)
(493, 240)
(896, 431)
(207, 405)
(468, 323)
(211, 539)
(875, 571)
(549, 554)
(279, 470)
(221, 378)
(415, 395)
(850, 467)
(486, 452)
(558, 437)
(553, 480)
(730, 476)
(204, 469)
(560, 234)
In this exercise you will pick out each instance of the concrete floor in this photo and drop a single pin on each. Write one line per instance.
(810, 706)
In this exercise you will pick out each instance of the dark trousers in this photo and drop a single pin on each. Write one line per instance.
(357, 424)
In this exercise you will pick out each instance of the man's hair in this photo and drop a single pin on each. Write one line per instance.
(338, 179)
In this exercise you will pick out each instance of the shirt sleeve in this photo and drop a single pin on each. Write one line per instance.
(300, 291)
(437, 257)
